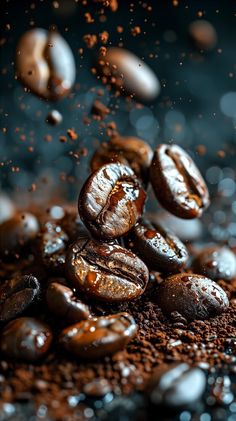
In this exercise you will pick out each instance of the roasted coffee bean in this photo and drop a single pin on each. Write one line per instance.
(26, 339)
(203, 34)
(16, 295)
(16, 232)
(111, 201)
(54, 118)
(176, 385)
(216, 263)
(193, 296)
(177, 182)
(128, 73)
(160, 249)
(7, 208)
(128, 150)
(62, 301)
(52, 246)
(105, 271)
(97, 388)
(98, 337)
(45, 63)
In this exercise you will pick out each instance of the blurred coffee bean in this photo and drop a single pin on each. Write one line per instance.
(128, 150)
(52, 246)
(54, 118)
(111, 201)
(98, 337)
(203, 35)
(97, 388)
(7, 208)
(16, 232)
(73, 226)
(106, 271)
(176, 385)
(193, 296)
(128, 73)
(177, 182)
(25, 339)
(16, 295)
(216, 263)
(160, 249)
(45, 63)
(62, 301)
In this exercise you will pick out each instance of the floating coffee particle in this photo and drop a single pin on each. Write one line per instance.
(45, 64)
(216, 263)
(54, 118)
(98, 337)
(129, 73)
(193, 296)
(111, 201)
(106, 271)
(203, 34)
(25, 339)
(97, 388)
(177, 182)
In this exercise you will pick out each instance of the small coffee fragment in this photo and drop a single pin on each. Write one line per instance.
(203, 34)
(54, 118)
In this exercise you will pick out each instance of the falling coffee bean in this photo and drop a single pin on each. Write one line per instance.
(176, 385)
(98, 337)
(160, 249)
(16, 295)
(106, 271)
(216, 263)
(128, 73)
(52, 246)
(193, 296)
(111, 201)
(62, 301)
(45, 63)
(128, 150)
(177, 182)
(25, 339)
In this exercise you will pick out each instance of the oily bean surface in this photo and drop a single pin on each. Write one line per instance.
(111, 201)
(177, 182)
(216, 263)
(98, 337)
(52, 244)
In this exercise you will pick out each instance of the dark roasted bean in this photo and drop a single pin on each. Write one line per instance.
(216, 263)
(62, 301)
(176, 385)
(111, 201)
(98, 337)
(193, 296)
(25, 339)
(105, 271)
(160, 249)
(177, 182)
(16, 295)
(52, 246)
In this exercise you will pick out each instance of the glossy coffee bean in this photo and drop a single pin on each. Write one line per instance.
(111, 201)
(62, 301)
(160, 249)
(98, 337)
(128, 73)
(16, 295)
(7, 208)
(176, 385)
(128, 150)
(106, 271)
(25, 339)
(193, 296)
(177, 182)
(216, 263)
(45, 63)
(52, 246)
(17, 232)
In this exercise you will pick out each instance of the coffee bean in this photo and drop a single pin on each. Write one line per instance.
(52, 246)
(45, 63)
(160, 249)
(128, 150)
(62, 301)
(98, 337)
(16, 295)
(193, 296)
(17, 232)
(111, 201)
(176, 385)
(7, 208)
(203, 34)
(54, 118)
(106, 271)
(216, 263)
(26, 339)
(177, 182)
(128, 73)
(97, 388)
